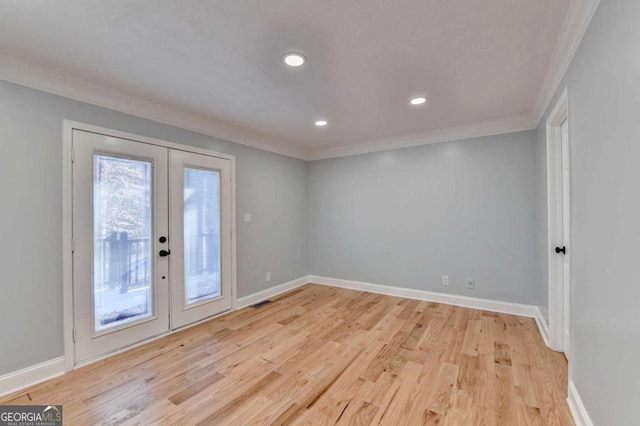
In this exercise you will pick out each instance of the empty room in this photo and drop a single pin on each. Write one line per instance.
(260, 212)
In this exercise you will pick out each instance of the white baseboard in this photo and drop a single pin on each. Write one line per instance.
(579, 412)
(542, 326)
(254, 298)
(20, 379)
(449, 299)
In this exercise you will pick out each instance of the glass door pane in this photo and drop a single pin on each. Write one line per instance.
(201, 235)
(122, 224)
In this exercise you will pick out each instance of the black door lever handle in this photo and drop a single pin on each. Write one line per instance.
(562, 250)
(164, 253)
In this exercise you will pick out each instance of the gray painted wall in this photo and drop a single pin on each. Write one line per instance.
(406, 217)
(272, 187)
(604, 125)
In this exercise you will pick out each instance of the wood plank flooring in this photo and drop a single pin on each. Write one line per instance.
(324, 355)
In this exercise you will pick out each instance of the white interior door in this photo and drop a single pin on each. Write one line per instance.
(120, 211)
(559, 226)
(566, 233)
(200, 229)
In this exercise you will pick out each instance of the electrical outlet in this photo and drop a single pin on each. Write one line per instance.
(247, 217)
(471, 284)
(268, 276)
(445, 280)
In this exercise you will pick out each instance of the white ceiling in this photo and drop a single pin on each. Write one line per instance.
(480, 63)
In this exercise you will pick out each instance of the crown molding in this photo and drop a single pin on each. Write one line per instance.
(488, 128)
(68, 86)
(575, 25)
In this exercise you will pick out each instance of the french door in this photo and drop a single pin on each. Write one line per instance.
(151, 241)
(201, 275)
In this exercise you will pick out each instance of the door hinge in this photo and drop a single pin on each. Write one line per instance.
(73, 155)
(73, 332)
(73, 245)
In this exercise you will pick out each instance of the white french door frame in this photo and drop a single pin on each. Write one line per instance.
(68, 126)
(557, 214)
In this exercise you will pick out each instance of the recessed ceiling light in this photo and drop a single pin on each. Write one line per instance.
(418, 101)
(294, 59)
(321, 123)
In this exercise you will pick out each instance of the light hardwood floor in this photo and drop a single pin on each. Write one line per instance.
(324, 355)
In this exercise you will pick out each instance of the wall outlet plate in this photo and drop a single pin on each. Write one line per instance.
(247, 217)
(471, 284)
(268, 276)
(445, 280)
